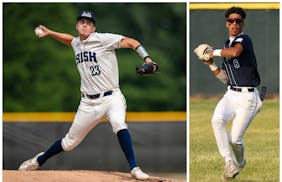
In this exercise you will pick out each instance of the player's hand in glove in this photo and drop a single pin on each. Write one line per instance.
(147, 68)
(203, 51)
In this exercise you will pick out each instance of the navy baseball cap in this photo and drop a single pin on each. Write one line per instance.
(87, 14)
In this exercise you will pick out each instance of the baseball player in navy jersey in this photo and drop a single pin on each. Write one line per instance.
(242, 101)
(100, 94)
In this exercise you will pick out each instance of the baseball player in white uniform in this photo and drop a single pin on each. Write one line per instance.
(242, 100)
(101, 97)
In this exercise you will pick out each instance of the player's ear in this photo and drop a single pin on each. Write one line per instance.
(94, 29)
(76, 26)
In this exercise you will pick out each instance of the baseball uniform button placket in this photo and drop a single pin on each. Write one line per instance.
(95, 96)
(241, 89)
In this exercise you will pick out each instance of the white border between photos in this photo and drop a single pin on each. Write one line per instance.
(188, 92)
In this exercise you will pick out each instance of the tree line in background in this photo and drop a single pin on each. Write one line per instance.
(41, 74)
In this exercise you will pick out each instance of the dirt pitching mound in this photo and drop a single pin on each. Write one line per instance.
(73, 176)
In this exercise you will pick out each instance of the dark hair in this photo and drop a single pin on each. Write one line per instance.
(236, 10)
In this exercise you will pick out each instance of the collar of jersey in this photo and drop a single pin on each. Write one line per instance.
(86, 40)
(231, 38)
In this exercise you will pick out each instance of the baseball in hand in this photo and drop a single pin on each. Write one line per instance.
(38, 32)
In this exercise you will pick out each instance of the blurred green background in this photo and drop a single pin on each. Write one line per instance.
(41, 75)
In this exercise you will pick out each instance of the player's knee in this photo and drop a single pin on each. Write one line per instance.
(69, 142)
(119, 126)
(217, 122)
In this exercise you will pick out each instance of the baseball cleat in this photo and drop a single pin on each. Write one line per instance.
(137, 173)
(240, 167)
(30, 164)
(231, 171)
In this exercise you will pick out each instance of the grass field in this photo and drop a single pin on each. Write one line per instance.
(261, 145)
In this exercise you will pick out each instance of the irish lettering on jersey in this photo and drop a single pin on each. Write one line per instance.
(96, 62)
(85, 56)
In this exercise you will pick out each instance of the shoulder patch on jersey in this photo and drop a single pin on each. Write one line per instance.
(239, 40)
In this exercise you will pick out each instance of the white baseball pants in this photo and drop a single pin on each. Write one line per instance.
(242, 106)
(91, 112)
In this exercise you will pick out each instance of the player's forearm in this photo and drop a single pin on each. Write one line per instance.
(135, 45)
(62, 37)
(230, 52)
(222, 76)
(213, 67)
(219, 73)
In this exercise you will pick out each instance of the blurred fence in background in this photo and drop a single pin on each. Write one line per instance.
(159, 140)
